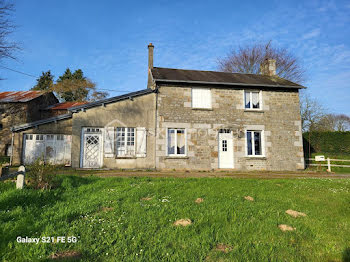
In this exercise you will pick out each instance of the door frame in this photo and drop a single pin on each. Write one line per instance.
(232, 148)
(82, 145)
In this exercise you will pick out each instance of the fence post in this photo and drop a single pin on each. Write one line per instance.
(20, 178)
(329, 165)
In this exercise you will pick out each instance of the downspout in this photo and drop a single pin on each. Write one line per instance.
(155, 130)
(12, 140)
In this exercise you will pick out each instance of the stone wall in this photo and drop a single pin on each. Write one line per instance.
(279, 119)
(138, 112)
(10, 114)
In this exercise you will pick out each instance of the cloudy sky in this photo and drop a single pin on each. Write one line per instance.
(108, 40)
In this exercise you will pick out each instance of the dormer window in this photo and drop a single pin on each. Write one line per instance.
(252, 100)
(201, 98)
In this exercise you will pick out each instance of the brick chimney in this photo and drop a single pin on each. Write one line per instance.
(268, 67)
(150, 56)
(150, 65)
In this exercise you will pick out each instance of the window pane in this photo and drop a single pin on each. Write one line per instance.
(249, 143)
(255, 98)
(247, 99)
(181, 141)
(257, 143)
(171, 141)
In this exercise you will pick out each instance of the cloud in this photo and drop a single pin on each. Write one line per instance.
(312, 34)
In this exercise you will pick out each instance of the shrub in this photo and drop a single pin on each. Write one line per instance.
(41, 175)
(327, 142)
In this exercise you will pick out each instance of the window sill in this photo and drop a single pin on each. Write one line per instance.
(126, 157)
(202, 109)
(254, 110)
(176, 157)
(256, 157)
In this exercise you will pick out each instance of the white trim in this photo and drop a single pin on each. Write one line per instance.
(262, 138)
(166, 143)
(82, 144)
(251, 100)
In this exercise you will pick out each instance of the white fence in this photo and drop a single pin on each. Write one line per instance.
(328, 163)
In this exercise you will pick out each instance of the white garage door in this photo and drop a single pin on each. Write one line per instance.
(52, 148)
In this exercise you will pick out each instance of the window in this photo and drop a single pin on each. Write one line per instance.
(254, 143)
(224, 145)
(60, 137)
(29, 137)
(252, 100)
(201, 98)
(49, 137)
(39, 137)
(125, 141)
(176, 142)
(224, 131)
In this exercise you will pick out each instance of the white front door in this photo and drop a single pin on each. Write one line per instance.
(225, 150)
(92, 147)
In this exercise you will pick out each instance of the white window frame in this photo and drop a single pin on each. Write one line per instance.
(262, 138)
(209, 106)
(251, 99)
(126, 153)
(175, 152)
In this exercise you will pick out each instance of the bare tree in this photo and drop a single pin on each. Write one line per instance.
(334, 122)
(7, 47)
(311, 112)
(248, 59)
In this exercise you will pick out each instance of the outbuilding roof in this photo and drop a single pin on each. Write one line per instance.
(64, 105)
(171, 75)
(40, 122)
(19, 96)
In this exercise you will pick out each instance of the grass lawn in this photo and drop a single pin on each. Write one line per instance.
(112, 223)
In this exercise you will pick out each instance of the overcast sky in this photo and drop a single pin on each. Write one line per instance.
(108, 40)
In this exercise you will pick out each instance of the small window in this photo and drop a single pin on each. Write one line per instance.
(60, 137)
(39, 137)
(29, 137)
(224, 145)
(201, 98)
(49, 137)
(252, 100)
(176, 142)
(125, 142)
(254, 144)
(224, 131)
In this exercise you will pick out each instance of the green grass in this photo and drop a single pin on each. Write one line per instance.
(137, 230)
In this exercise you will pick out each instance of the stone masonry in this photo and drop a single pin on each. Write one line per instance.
(279, 120)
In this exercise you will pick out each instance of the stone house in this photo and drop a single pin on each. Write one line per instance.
(17, 108)
(184, 119)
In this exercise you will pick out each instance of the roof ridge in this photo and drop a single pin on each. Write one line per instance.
(214, 71)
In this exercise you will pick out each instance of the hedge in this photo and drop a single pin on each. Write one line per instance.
(337, 143)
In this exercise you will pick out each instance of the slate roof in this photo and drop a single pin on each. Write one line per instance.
(40, 122)
(19, 96)
(64, 105)
(171, 75)
(112, 99)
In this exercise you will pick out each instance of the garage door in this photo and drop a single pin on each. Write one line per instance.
(52, 148)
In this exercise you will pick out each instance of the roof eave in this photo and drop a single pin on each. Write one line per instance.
(40, 122)
(111, 100)
(226, 83)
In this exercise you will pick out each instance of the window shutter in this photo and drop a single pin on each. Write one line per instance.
(141, 145)
(109, 142)
(201, 98)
